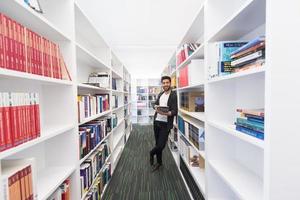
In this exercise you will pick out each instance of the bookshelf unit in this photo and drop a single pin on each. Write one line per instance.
(145, 95)
(56, 151)
(239, 166)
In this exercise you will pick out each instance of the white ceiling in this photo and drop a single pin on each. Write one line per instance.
(143, 33)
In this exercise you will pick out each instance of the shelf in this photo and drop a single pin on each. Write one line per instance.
(230, 129)
(86, 86)
(239, 75)
(33, 78)
(235, 27)
(117, 91)
(45, 135)
(198, 86)
(242, 181)
(115, 74)
(198, 54)
(115, 109)
(87, 58)
(96, 147)
(198, 175)
(94, 117)
(26, 16)
(118, 153)
(197, 115)
(95, 178)
(48, 180)
(104, 189)
(118, 140)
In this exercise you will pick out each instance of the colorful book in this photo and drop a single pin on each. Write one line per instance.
(249, 45)
(250, 132)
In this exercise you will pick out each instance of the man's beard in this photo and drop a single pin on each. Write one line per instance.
(166, 88)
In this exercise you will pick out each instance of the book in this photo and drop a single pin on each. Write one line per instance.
(183, 79)
(248, 51)
(250, 44)
(250, 132)
(260, 112)
(164, 109)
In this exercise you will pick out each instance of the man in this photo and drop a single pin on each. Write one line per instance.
(163, 121)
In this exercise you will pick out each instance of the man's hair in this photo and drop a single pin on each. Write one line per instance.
(165, 77)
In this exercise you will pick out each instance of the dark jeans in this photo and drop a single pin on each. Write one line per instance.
(161, 133)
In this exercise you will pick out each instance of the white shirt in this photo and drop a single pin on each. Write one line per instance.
(163, 101)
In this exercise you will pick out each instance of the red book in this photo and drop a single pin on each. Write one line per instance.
(15, 46)
(24, 118)
(28, 117)
(23, 46)
(66, 190)
(13, 119)
(2, 136)
(6, 41)
(33, 132)
(183, 77)
(40, 55)
(20, 131)
(28, 51)
(37, 115)
(18, 45)
(2, 49)
(34, 56)
(11, 45)
(60, 63)
(6, 118)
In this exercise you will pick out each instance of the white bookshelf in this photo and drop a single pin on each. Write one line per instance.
(85, 51)
(239, 166)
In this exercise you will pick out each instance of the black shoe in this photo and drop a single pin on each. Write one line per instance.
(151, 160)
(156, 167)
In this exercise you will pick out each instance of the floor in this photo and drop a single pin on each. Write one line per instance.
(133, 179)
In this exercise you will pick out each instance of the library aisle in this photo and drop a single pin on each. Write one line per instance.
(133, 178)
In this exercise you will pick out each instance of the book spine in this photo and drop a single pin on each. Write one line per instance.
(11, 45)
(250, 132)
(6, 42)
(248, 58)
(2, 49)
(15, 47)
(13, 119)
(37, 115)
(2, 136)
(250, 126)
(33, 131)
(7, 121)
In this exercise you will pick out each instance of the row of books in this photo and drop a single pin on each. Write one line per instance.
(91, 167)
(154, 90)
(90, 105)
(195, 134)
(92, 133)
(237, 56)
(114, 101)
(152, 97)
(114, 84)
(185, 51)
(191, 74)
(19, 118)
(22, 49)
(251, 122)
(62, 192)
(18, 180)
(141, 97)
(100, 182)
(187, 152)
(192, 101)
(142, 90)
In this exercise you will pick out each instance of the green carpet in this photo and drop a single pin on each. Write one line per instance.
(133, 179)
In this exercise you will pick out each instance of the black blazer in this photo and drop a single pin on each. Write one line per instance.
(173, 107)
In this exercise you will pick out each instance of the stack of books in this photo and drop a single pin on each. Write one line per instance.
(19, 118)
(90, 105)
(91, 134)
(99, 79)
(251, 122)
(21, 49)
(185, 51)
(63, 192)
(249, 56)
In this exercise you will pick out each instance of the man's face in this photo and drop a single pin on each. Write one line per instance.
(166, 85)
